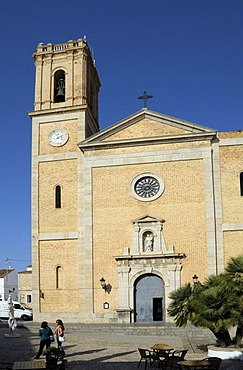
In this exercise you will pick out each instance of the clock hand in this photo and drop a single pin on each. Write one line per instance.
(60, 136)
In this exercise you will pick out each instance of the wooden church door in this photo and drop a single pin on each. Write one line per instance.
(148, 299)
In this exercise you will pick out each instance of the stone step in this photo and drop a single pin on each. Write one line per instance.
(148, 330)
(157, 330)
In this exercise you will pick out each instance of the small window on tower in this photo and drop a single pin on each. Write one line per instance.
(58, 196)
(59, 86)
(241, 183)
(58, 274)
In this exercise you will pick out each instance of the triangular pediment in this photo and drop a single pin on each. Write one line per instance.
(146, 219)
(147, 126)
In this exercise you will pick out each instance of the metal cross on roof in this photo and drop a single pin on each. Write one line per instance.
(145, 98)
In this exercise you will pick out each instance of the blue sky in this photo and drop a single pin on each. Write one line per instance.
(188, 54)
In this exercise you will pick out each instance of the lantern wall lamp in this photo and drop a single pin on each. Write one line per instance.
(103, 284)
(195, 279)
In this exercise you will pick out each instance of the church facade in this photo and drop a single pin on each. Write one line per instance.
(123, 216)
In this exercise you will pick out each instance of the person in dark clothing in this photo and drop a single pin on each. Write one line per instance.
(46, 335)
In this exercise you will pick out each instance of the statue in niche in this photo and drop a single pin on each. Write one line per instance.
(149, 242)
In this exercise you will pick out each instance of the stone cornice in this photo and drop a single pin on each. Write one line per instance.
(150, 256)
(231, 141)
(58, 110)
(188, 137)
(155, 116)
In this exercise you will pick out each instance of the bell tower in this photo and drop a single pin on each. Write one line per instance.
(66, 79)
(65, 113)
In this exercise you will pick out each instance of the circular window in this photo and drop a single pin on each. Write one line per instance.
(147, 187)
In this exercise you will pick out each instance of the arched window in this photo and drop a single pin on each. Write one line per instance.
(241, 183)
(58, 196)
(59, 86)
(58, 274)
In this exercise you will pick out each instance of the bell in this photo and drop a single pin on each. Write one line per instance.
(60, 87)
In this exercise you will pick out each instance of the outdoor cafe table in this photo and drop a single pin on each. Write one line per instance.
(161, 347)
(193, 364)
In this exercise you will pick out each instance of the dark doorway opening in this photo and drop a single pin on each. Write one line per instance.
(157, 309)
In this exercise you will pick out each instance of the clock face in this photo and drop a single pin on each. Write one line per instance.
(58, 137)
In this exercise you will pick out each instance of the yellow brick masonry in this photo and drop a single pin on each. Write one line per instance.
(74, 58)
(69, 126)
(24, 286)
(145, 128)
(63, 173)
(114, 208)
(146, 148)
(232, 244)
(231, 164)
(61, 253)
(95, 223)
(55, 231)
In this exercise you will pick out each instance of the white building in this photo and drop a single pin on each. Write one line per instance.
(8, 284)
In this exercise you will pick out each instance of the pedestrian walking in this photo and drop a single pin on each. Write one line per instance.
(60, 337)
(46, 335)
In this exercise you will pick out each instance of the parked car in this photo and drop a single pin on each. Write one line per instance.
(20, 312)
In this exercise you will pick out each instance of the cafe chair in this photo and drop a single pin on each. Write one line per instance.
(163, 353)
(161, 359)
(176, 356)
(147, 356)
(214, 362)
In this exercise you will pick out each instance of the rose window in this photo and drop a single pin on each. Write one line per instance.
(147, 187)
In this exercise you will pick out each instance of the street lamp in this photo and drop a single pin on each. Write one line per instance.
(195, 279)
(103, 284)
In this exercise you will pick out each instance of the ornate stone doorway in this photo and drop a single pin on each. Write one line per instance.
(148, 299)
(148, 272)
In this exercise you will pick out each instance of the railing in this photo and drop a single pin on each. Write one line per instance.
(60, 47)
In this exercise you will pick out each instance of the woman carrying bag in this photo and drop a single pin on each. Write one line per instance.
(60, 337)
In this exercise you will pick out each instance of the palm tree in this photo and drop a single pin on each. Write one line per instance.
(233, 283)
(180, 307)
(217, 304)
(213, 310)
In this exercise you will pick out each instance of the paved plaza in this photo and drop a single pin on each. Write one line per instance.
(96, 349)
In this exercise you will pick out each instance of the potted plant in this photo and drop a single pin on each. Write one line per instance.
(217, 304)
(52, 356)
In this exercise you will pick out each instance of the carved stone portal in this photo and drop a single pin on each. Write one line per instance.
(148, 255)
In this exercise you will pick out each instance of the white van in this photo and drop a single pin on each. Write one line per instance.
(20, 312)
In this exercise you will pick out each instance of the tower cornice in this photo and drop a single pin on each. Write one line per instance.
(50, 48)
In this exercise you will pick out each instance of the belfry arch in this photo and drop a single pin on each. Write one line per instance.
(59, 86)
